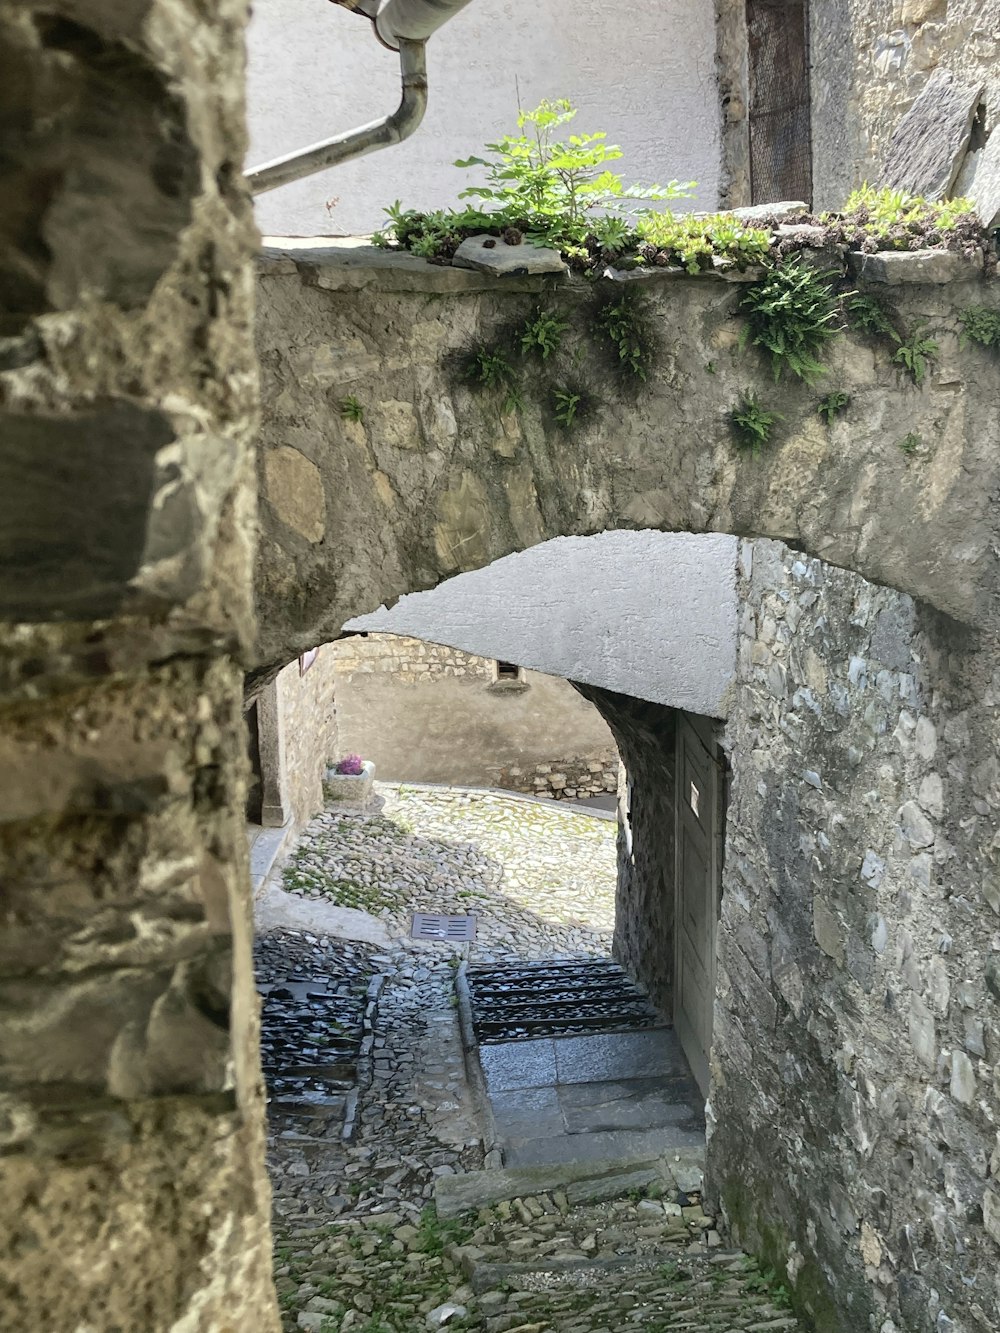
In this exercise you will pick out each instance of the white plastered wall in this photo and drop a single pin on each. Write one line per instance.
(645, 73)
(649, 614)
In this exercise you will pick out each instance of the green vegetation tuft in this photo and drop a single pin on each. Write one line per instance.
(981, 325)
(752, 424)
(791, 313)
(832, 405)
(542, 334)
(693, 242)
(622, 326)
(351, 409)
(571, 404)
(914, 353)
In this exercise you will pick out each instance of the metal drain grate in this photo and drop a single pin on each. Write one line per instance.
(453, 929)
(517, 1001)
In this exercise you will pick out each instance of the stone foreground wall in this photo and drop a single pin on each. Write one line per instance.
(131, 1104)
(428, 713)
(856, 1065)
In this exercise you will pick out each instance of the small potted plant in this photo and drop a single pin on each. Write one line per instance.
(349, 780)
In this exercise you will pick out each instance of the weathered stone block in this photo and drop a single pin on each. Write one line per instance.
(294, 489)
(903, 267)
(492, 254)
(926, 149)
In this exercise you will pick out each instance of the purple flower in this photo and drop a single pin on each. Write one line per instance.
(353, 765)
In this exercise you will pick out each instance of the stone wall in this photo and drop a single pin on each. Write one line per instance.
(131, 1118)
(856, 1064)
(309, 731)
(425, 712)
(869, 60)
(645, 903)
(436, 480)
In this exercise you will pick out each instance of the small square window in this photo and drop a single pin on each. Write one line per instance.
(508, 671)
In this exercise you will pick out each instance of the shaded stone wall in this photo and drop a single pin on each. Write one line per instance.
(428, 713)
(310, 736)
(645, 902)
(131, 1105)
(856, 1065)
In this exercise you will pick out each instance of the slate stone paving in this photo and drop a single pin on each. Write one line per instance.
(360, 1245)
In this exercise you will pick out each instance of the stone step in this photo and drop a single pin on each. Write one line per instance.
(583, 1182)
(581, 1274)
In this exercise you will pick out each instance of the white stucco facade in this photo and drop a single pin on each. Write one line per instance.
(644, 73)
(649, 614)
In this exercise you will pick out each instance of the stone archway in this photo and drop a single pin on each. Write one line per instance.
(862, 725)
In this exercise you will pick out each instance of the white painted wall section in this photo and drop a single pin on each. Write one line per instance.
(650, 614)
(643, 72)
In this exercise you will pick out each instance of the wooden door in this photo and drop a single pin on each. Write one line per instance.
(779, 112)
(699, 813)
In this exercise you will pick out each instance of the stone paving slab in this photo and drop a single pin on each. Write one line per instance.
(585, 1181)
(608, 1056)
(619, 1145)
(640, 1103)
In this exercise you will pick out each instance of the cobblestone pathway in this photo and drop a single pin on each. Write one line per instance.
(359, 1244)
(540, 878)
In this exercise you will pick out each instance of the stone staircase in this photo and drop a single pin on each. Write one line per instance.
(604, 1253)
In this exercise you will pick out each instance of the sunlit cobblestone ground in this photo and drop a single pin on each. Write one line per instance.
(539, 877)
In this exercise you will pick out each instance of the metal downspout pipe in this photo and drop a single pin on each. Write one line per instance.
(403, 26)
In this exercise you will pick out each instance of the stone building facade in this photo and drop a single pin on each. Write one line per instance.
(867, 62)
(426, 712)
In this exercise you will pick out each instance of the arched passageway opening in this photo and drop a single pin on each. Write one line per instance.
(843, 715)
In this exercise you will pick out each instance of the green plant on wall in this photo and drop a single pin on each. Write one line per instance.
(571, 404)
(752, 425)
(832, 405)
(910, 443)
(622, 326)
(981, 325)
(351, 409)
(791, 313)
(870, 316)
(542, 334)
(549, 186)
(692, 242)
(890, 219)
(914, 353)
(487, 367)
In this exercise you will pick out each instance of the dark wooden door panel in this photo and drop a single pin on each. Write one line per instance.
(780, 138)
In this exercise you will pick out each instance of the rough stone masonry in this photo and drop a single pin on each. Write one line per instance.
(131, 1118)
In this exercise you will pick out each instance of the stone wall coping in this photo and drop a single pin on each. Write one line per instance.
(352, 263)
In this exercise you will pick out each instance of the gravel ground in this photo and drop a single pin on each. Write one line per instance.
(359, 1247)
